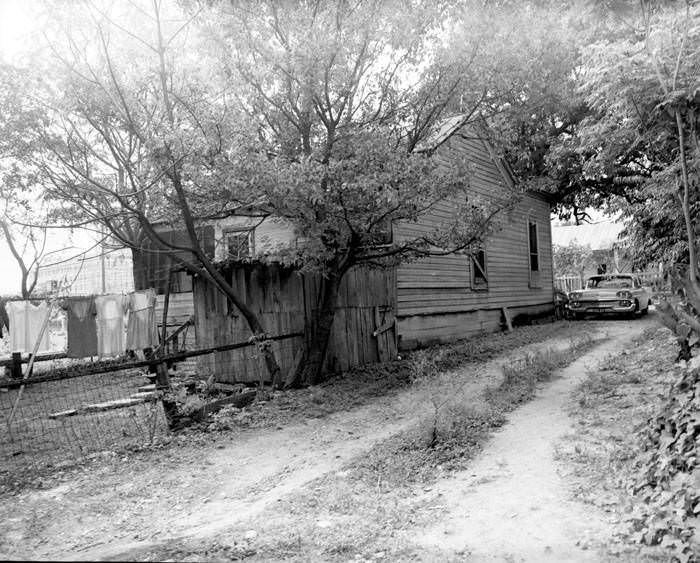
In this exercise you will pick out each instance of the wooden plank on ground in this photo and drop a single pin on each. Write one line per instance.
(115, 404)
(506, 316)
(63, 414)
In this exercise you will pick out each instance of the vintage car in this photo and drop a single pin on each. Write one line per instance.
(619, 294)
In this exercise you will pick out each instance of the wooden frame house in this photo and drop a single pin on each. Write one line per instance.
(445, 298)
(431, 300)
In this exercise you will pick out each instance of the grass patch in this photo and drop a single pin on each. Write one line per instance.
(458, 425)
(363, 511)
(606, 460)
(361, 385)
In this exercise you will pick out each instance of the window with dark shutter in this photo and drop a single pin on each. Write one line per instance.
(480, 278)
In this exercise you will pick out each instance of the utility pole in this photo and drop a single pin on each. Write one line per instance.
(102, 260)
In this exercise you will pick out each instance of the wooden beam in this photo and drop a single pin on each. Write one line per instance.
(102, 368)
(506, 316)
(383, 328)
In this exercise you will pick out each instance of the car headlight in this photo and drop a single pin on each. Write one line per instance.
(575, 295)
(624, 294)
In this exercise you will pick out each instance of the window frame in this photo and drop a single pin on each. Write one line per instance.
(534, 274)
(238, 231)
(477, 267)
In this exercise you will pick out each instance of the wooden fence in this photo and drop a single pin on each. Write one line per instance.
(180, 310)
(567, 283)
(364, 329)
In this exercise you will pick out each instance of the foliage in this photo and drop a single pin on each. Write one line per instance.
(571, 260)
(341, 96)
(529, 82)
(23, 216)
(631, 79)
(667, 480)
(457, 422)
(360, 385)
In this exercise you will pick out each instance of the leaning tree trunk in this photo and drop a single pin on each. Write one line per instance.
(310, 370)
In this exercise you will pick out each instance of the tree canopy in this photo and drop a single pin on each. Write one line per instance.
(153, 116)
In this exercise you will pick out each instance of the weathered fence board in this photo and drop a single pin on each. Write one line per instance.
(286, 302)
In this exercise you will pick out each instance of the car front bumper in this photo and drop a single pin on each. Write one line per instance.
(617, 307)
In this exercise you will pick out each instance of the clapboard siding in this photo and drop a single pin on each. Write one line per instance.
(432, 329)
(435, 300)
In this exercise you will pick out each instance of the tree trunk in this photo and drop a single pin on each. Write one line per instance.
(685, 201)
(310, 370)
(140, 269)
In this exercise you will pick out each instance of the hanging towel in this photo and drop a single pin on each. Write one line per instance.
(141, 331)
(82, 327)
(111, 324)
(27, 321)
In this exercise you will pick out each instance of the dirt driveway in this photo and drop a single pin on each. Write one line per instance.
(130, 505)
(512, 504)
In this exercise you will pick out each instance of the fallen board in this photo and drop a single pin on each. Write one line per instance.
(144, 395)
(100, 407)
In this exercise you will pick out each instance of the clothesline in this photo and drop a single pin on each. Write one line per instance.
(101, 325)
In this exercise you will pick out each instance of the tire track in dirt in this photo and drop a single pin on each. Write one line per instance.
(511, 504)
(227, 486)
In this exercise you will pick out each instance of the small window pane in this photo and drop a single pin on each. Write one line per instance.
(479, 275)
(534, 253)
(239, 244)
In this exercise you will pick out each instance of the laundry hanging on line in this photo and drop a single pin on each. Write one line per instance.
(81, 326)
(141, 332)
(104, 325)
(126, 322)
(27, 321)
(112, 311)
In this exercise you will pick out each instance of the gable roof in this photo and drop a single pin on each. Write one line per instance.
(444, 129)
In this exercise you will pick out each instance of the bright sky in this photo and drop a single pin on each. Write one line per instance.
(15, 28)
(14, 24)
(17, 32)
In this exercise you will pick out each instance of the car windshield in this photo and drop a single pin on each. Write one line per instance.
(610, 282)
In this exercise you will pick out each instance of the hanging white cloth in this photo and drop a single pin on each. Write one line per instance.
(26, 322)
(111, 324)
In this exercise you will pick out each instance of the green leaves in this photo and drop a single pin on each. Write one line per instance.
(669, 480)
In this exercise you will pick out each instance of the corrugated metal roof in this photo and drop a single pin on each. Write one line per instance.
(600, 235)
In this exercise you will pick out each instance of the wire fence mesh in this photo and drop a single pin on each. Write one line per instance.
(76, 412)
(68, 418)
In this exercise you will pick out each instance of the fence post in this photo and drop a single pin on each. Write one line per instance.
(169, 406)
(164, 387)
(16, 368)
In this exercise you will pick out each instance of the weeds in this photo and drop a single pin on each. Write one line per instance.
(458, 424)
(521, 375)
(362, 385)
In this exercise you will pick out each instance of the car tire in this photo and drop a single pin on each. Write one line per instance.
(637, 312)
(645, 311)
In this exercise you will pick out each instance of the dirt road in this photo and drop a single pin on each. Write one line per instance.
(511, 503)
